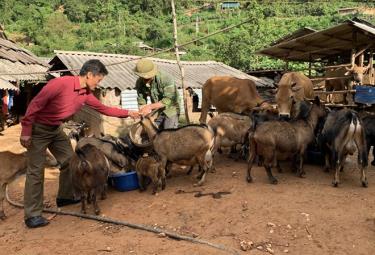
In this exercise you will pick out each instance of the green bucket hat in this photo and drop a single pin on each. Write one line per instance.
(145, 68)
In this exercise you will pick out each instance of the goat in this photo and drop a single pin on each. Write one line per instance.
(90, 169)
(279, 140)
(112, 149)
(233, 129)
(188, 145)
(369, 125)
(12, 165)
(342, 134)
(148, 166)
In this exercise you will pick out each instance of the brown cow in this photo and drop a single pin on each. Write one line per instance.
(293, 87)
(354, 73)
(230, 94)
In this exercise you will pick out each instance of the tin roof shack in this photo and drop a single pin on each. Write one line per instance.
(343, 45)
(21, 71)
(117, 88)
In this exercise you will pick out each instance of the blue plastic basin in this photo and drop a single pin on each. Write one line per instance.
(124, 181)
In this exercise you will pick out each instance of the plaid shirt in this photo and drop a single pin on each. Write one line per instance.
(163, 89)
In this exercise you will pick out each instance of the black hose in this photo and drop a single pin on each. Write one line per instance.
(128, 224)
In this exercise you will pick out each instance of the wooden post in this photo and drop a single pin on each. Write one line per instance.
(184, 89)
(310, 66)
(361, 59)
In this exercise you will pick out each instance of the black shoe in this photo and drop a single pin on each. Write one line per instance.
(60, 202)
(36, 222)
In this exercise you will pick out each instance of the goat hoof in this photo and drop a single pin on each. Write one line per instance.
(249, 179)
(2, 216)
(83, 212)
(273, 181)
(365, 184)
(326, 170)
(197, 184)
(97, 212)
(335, 184)
(213, 170)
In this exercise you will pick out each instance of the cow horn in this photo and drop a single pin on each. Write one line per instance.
(349, 69)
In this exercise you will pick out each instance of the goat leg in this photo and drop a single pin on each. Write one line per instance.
(190, 170)
(83, 203)
(141, 182)
(95, 203)
(271, 178)
(301, 171)
(2, 196)
(104, 191)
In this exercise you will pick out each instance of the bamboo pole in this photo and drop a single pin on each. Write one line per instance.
(185, 93)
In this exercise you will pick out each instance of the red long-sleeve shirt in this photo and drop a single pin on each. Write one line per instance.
(59, 99)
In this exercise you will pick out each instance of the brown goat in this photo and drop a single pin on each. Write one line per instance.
(148, 167)
(90, 169)
(279, 140)
(233, 128)
(12, 165)
(189, 145)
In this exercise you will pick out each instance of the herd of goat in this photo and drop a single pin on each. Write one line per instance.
(264, 136)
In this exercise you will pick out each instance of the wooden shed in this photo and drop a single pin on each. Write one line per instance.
(117, 88)
(346, 44)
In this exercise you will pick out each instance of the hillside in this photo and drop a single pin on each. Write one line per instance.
(118, 26)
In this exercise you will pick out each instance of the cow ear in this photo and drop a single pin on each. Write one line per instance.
(295, 89)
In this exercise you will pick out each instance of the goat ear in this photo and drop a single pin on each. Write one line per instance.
(317, 100)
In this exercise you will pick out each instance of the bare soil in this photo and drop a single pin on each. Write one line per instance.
(297, 216)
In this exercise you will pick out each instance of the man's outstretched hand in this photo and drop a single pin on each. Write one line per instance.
(134, 114)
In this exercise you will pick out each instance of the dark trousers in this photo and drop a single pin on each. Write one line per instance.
(53, 138)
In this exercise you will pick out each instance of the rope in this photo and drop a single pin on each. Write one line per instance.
(137, 58)
(130, 225)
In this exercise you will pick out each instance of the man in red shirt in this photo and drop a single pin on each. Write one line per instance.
(41, 129)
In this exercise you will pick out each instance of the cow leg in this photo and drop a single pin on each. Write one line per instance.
(2, 197)
(373, 155)
(204, 109)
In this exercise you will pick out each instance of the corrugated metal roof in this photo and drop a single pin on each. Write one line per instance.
(123, 77)
(7, 85)
(337, 40)
(14, 59)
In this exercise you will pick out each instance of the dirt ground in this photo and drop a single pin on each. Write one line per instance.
(297, 216)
